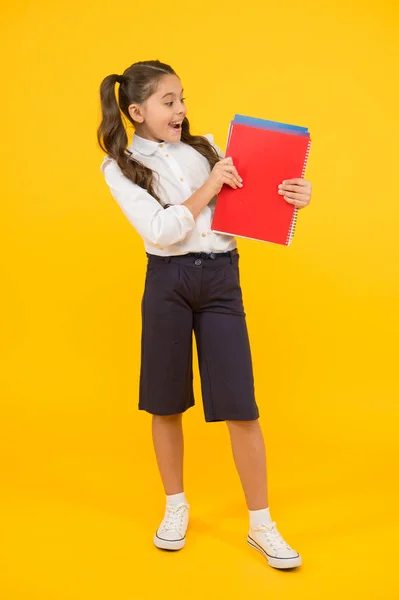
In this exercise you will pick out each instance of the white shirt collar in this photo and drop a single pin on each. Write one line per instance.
(144, 146)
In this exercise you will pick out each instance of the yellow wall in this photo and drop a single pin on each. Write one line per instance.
(80, 495)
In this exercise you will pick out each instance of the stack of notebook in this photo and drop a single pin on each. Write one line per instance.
(265, 154)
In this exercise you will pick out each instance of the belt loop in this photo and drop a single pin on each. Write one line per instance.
(231, 257)
(168, 259)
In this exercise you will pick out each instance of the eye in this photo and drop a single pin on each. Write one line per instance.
(170, 103)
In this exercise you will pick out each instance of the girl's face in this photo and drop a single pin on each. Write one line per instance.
(160, 117)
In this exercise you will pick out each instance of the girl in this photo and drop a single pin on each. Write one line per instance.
(166, 183)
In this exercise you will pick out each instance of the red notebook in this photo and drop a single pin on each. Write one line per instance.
(264, 158)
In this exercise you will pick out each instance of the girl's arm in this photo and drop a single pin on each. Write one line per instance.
(201, 198)
(165, 227)
(157, 226)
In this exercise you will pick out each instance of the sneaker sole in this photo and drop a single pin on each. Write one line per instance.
(169, 544)
(277, 563)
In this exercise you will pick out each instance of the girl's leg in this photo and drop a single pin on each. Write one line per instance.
(250, 460)
(167, 435)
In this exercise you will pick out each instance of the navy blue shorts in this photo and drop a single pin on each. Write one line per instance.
(200, 294)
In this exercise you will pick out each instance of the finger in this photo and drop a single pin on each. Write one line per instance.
(238, 180)
(231, 179)
(294, 187)
(295, 196)
(295, 181)
(236, 174)
(234, 171)
(235, 181)
(229, 172)
(298, 203)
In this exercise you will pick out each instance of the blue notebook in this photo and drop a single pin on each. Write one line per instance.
(265, 124)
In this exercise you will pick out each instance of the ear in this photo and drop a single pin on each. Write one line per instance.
(135, 113)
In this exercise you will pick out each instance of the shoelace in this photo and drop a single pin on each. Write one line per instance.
(273, 536)
(174, 517)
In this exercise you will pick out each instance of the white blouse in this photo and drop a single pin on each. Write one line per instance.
(182, 170)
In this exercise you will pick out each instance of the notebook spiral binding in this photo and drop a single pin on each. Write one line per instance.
(295, 214)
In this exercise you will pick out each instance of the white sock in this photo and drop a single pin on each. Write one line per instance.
(259, 517)
(176, 499)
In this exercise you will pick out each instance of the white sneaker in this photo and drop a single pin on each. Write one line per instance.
(268, 541)
(171, 534)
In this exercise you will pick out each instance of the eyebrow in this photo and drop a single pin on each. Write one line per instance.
(170, 94)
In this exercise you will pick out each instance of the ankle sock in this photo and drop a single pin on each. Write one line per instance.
(176, 499)
(259, 517)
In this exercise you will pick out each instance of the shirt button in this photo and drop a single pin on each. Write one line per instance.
(198, 262)
(204, 235)
(181, 178)
(166, 155)
(161, 145)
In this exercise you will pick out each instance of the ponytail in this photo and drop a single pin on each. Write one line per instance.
(113, 140)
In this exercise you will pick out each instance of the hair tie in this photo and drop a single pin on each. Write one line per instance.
(120, 79)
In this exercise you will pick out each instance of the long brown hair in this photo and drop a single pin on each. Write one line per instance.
(137, 84)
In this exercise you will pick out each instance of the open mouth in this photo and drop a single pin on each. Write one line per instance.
(176, 125)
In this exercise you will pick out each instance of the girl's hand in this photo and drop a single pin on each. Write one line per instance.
(224, 172)
(296, 191)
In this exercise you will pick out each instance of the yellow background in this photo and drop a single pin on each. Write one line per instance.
(80, 495)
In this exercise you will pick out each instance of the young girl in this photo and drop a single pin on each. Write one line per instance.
(166, 183)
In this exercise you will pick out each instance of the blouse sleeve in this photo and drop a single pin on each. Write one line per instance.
(156, 225)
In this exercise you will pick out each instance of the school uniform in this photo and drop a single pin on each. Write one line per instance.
(192, 284)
